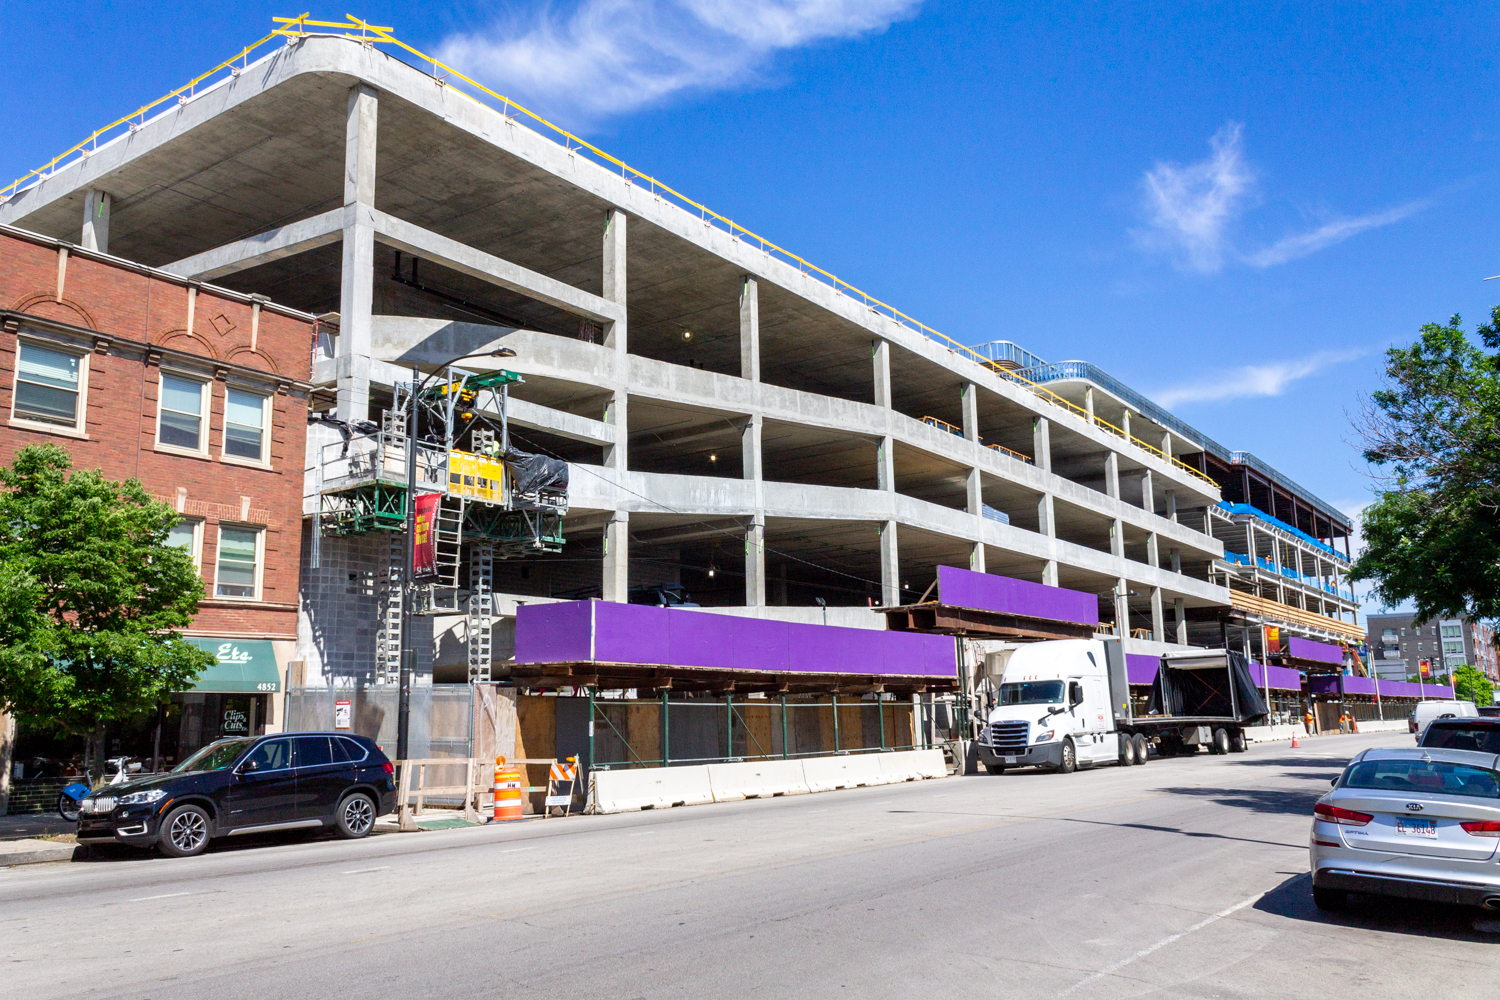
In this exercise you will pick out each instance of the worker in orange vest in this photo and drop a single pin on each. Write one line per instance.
(1308, 722)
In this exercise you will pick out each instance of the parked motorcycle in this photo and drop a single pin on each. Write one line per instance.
(123, 769)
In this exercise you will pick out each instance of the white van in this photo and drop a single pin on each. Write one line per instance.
(1426, 711)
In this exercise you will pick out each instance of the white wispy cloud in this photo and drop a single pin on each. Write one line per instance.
(1251, 381)
(604, 57)
(1190, 206)
(1192, 209)
(1301, 244)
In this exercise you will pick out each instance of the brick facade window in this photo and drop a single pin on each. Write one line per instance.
(50, 386)
(241, 555)
(246, 415)
(181, 422)
(188, 535)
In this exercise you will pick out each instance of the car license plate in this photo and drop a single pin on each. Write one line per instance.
(1416, 827)
(1010, 760)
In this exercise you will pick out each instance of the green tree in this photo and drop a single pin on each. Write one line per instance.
(1470, 684)
(1433, 533)
(90, 595)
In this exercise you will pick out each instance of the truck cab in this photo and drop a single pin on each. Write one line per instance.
(1052, 707)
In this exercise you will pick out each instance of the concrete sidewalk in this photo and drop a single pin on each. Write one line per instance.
(30, 852)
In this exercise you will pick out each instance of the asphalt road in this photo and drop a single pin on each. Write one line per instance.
(1183, 878)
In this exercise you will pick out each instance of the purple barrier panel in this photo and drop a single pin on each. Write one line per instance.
(1318, 652)
(1406, 689)
(699, 639)
(1359, 685)
(758, 644)
(1140, 668)
(630, 633)
(829, 649)
(939, 656)
(1281, 678)
(966, 589)
(553, 633)
(901, 653)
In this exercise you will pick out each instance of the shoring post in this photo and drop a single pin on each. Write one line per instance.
(880, 711)
(728, 725)
(834, 700)
(786, 752)
(592, 689)
(666, 730)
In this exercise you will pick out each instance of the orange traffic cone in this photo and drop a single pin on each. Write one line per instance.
(1295, 744)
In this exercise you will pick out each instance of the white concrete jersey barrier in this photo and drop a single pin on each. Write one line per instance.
(660, 788)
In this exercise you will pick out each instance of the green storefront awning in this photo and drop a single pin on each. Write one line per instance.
(245, 666)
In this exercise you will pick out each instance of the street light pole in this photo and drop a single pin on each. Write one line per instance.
(409, 554)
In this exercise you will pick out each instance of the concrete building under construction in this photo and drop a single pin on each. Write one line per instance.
(739, 426)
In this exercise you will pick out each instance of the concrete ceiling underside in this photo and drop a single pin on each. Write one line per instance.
(797, 453)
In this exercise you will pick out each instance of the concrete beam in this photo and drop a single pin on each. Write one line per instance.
(95, 221)
(262, 248)
(497, 271)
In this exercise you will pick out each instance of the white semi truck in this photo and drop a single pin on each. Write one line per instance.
(1065, 704)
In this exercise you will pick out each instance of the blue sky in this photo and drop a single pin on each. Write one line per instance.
(1235, 210)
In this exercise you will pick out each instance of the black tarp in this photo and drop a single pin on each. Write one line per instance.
(530, 473)
(1205, 691)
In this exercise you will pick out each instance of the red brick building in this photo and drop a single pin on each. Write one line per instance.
(201, 394)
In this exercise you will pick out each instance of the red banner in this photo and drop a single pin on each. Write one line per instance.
(424, 554)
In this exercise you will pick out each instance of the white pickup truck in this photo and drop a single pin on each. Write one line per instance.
(1065, 704)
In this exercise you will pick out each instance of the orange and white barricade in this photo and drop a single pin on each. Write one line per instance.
(561, 773)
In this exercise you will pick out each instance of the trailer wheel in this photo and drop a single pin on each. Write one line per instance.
(1142, 751)
(1220, 744)
(1069, 758)
(1237, 742)
(1127, 750)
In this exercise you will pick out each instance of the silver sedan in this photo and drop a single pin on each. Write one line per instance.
(1418, 823)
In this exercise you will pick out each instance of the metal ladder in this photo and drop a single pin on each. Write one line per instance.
(448, 540)
(388, 636)
(481, 610)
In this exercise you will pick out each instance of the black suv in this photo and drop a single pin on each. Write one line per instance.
(247, 785)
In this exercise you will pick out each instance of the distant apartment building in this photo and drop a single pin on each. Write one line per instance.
(1399, 644)
(199, 393)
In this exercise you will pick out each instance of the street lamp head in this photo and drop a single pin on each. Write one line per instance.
(502, 352)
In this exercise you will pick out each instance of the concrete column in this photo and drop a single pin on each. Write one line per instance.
(1181, 618)
(755, 562)
(357, 279)
(1158, 620)
(1046, 521)
(1088, 402)
(1125, 424)
(976, 494)
(617, 558)
(616, 413)
(1122, 607)
(890, 566)
(881, 350)
(1176, 557)
(1172, 505)
(95, 221)
(976, 557)
(750, 329)
(1112, 475)
(1148, 493)
(1166, 445)
(1049, 573)
(750, 456)
(1153, 555)
(971, 411)
(885, 464)
(614, 279)
(1041, 443)
(1117, 538)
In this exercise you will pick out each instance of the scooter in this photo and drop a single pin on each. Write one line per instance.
(69, 799)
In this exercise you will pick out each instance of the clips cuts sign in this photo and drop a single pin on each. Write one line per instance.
(424, 552)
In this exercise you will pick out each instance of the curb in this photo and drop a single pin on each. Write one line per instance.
(35, 855)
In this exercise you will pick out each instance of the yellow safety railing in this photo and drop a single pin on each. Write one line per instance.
(442, 74)
(943, 425)
(1013, 454)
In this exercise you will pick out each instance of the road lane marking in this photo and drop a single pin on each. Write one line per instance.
(165, 895)
(1112, 969)
(361, 871)
(644, 833)
(515, 849)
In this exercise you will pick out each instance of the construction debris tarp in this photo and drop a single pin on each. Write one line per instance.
(530, 473)
(1203, 689)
